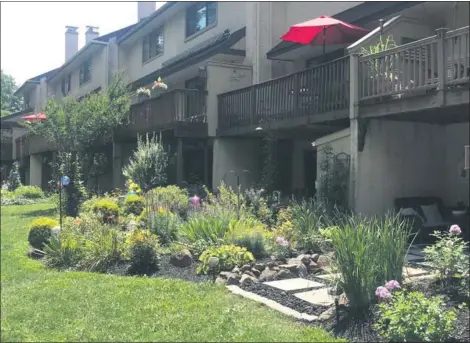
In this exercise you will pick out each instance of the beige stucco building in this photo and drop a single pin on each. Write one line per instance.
(232, 81)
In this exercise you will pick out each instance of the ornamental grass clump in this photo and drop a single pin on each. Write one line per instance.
(368, 252)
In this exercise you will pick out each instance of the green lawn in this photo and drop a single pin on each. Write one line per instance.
(43, 305)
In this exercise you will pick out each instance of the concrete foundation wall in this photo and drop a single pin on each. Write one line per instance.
(400, 159)
(299, 179)
(236, 155)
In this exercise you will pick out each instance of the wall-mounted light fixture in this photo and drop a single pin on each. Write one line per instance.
(203, 72)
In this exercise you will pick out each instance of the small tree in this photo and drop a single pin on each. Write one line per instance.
(148, 165)
(79, 127)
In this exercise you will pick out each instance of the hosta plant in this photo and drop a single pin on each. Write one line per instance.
(229, 256)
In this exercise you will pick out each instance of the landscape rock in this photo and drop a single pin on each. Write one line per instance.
(255, 272)
(182, 259)
(305, 258)
(250, 273)
(236, 270)
(260, 266)
(233, 279)
(246, 280)
(324, 261)
(268, 275)
(302, 270)
(290, 267)
(245, 268)
(285, 274)
(272, 264)
(35, 254)
(335, 290)
(327, 314)
(315, 257)
(227, 275)
(313, 267)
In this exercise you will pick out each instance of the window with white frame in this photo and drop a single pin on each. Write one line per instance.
(152, 44)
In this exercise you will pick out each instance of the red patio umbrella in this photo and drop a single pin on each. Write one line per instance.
(34, 117)
(323, 30)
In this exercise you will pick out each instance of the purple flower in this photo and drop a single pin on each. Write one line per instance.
(382, 293)
(392, 284)
(282, 242)
(455, 229)
(195, 200)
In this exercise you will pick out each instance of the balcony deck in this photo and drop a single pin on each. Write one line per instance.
(424, 75)
(182, 110)
(311, 96)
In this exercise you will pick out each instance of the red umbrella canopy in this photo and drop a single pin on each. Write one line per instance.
(324, 30)
(33, 117)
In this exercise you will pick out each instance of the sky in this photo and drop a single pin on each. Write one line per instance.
(33, 33)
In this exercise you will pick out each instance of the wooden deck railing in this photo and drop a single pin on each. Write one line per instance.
(323, 88)
(432, 62)
(179, 105)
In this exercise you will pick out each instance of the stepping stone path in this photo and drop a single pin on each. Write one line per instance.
(317, 292)
(294, 285)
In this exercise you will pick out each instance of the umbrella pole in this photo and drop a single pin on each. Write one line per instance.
(324, 35)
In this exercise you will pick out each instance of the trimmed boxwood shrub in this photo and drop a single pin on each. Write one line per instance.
(40, 231)
(134, 204)
(107, 208)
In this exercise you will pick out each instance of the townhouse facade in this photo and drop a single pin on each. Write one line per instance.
(232, 81)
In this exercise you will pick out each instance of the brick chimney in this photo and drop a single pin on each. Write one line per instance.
(144, 9)
(71, 42)
(91, 33)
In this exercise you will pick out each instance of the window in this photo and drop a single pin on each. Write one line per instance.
(200, 16)
(152, 44)
(85, 71)
(66, 84)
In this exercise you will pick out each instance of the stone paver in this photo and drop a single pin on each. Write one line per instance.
(317, 297)
(272, 304)
(412, 272)
(416, 251)
(294, 285)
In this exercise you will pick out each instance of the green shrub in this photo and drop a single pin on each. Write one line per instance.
(103, 248)
(107, 208)
(133, 204)
(447, 255)
(164, 224)
(229, 256)
(143, 252)
(171, 198)
(248, 233)
(6, 194)
(29, 192)
(413, 317)
(40, 231)
(369, 251)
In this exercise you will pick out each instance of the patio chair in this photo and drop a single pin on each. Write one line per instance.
(427, 214)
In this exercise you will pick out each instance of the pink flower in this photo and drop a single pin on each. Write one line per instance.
(382, 293)
(455, 229)
(110, 217)
(195, 200)
(391, 285)
(282, 242)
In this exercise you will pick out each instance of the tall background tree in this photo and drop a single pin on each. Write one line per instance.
(9, 102)
(78, 129)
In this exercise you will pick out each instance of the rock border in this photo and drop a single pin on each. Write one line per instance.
(272, 304)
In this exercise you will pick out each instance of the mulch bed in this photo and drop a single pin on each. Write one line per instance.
(285, 299)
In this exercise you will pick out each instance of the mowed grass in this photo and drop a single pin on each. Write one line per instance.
(39, 304)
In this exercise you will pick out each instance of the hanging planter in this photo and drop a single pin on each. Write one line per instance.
(143, 94)
(158, 87)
